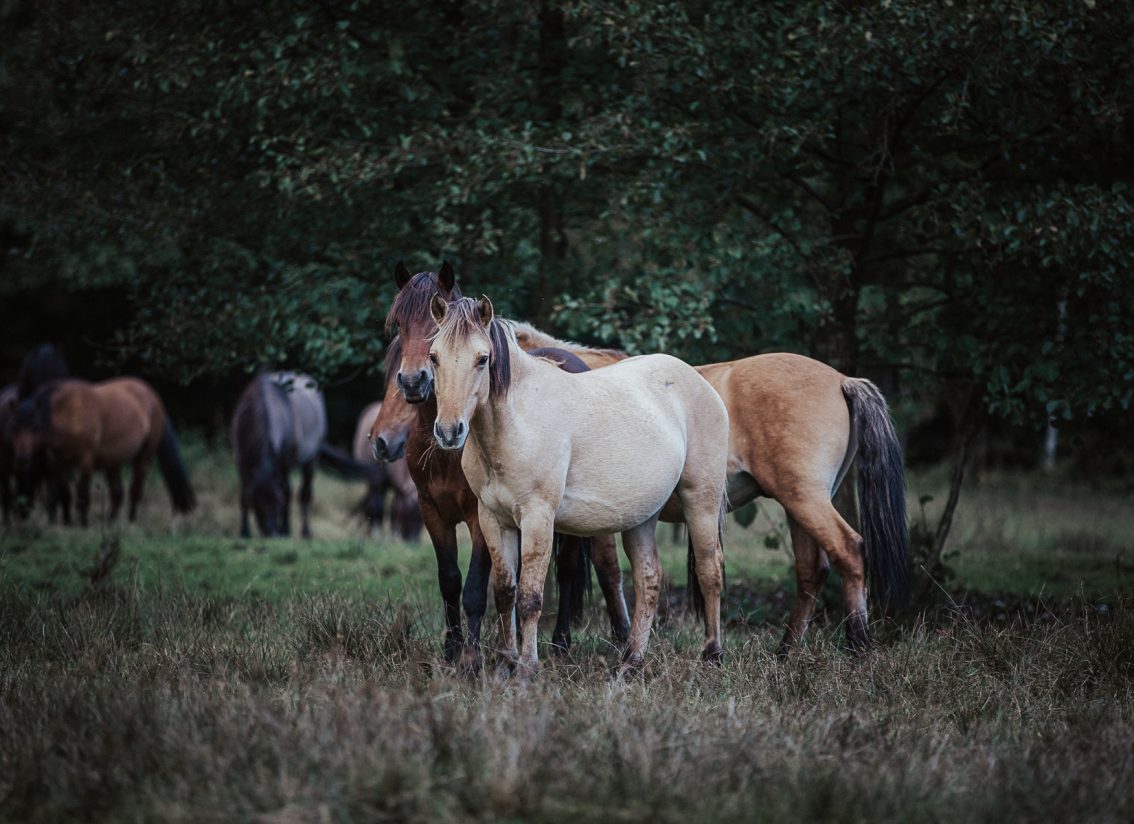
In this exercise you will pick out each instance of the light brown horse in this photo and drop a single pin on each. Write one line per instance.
(383, 477)
(796, 428)
(446, 500)
(587, 454)
(100, 427)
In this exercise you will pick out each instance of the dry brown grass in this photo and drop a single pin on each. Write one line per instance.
(134, 704)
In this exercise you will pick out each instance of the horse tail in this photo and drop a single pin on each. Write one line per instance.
(578, 580)
(343, 464)
(173, 471)
(881, 493)
(696, 595)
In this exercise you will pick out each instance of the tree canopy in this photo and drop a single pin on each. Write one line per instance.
(937, 195)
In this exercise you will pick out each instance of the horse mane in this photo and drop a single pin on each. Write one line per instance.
(34, 412)
(411, 304)
(529, 337)
(463, 320)
(40, 366)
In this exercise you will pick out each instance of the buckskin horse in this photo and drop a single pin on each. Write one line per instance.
(99, 426)
(586, 454)
(405, 427)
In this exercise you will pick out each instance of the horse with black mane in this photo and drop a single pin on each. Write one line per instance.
(385, 478)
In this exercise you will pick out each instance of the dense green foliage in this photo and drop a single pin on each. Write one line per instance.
(938, 195)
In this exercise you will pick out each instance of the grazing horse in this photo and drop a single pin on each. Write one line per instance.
(588, 454)
(41, 365)
(405, 426)
(796, 426)
(280, 422)
(394, 477)
(99, 426)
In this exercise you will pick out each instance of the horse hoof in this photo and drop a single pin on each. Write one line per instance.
(527, 670)
(506, 666)
(621, 632)
(470, 662)
(859, 638)
(712, 655)
(560, 646)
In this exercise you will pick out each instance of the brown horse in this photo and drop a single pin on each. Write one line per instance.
(405, 426)
(796, 426)
(100, 426)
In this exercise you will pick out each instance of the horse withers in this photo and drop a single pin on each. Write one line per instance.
(586, 454)
(280, 423)
(92, 427)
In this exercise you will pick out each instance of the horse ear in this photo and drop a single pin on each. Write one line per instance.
(447, 277)
(401, 274)
(484, 310)
(438, 307)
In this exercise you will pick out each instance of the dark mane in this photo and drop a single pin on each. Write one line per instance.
(40, 366)
(461, 321)
(412, 301)
(411, 305)
(34, 412)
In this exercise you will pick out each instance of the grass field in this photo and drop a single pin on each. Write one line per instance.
(202, 677)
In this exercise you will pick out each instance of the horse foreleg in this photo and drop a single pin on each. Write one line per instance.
(83, 490)
(568, 563)
(476, 592)
(819, 518)
(504, 546)
(444, 537)
(114, 484)
(285, 527)
(245, 503)
(811, 568)
(641, 547)
(604, 556)
(308, 471)
(536, 535)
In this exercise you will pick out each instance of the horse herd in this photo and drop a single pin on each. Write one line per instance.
(544, 449)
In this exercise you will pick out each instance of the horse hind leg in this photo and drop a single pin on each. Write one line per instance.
(114, 485)
(604, 556)
(83, 490)
(138, 482)
(833, 535)
(641, 547)
(811, 569)
(705, 536)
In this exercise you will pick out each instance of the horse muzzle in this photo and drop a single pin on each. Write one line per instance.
(415, 388)
(451, 437)
(385, 450)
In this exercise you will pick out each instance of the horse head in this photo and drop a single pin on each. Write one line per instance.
(413, 372)
(471, 364)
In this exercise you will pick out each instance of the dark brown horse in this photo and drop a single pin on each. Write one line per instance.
(405, 426)
(99, 427)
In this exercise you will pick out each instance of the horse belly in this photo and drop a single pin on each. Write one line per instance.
(619, 491)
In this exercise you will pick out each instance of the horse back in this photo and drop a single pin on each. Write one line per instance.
(111, 421)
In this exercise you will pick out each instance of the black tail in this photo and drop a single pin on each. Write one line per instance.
(572, 572)
(173, 471)
(881, 494)
(341, 463)
(696, 595)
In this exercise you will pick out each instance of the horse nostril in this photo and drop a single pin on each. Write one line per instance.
(460, 428)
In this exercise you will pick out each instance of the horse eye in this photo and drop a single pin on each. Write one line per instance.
(433, 358)
(482, 360)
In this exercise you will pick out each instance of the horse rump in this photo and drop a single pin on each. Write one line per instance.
(173, 471)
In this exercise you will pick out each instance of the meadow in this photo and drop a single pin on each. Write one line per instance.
(169, 670)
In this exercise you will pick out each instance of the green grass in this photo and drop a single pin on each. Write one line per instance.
(204, 677)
